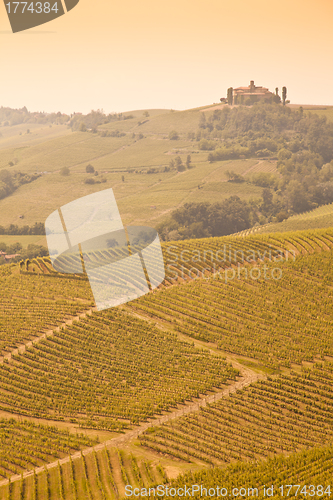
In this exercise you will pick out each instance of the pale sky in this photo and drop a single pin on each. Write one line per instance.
(175, 54)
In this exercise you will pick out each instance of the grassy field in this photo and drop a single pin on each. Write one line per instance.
(18, 137)
(25, 240)
(143, 198)
(124, 163)
(319, 110)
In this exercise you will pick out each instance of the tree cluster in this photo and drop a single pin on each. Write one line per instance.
(264, 129)
(301, 142)
(38, 229)
(177, 164)
(203, 220)
(95, 119)
(30, 252)
(10, 181)
(10, 117)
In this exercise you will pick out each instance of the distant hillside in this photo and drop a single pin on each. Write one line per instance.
(318, 218)
(158, 160)
(10, 117)
(136, 156)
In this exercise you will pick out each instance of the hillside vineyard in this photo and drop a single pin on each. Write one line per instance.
(211, 369)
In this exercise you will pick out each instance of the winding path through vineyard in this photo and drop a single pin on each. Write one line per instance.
(22, 348)
(301, 244)
(247, 377)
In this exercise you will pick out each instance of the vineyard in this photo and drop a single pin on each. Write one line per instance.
(321, 217)
(283, 414)
(31, 304)
(98, 475)
(26, 445)
(109, 371)
(311, 467)
(106, 371)
(276, 321)
(190, 259)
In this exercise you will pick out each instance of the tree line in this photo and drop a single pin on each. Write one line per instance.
(10, 181)
(31, 252)
(10, 117)
(38, 229)
(302, 144)
(203, 220)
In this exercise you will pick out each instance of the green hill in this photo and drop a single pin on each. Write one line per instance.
(132, 153)
(201, 371)
(320, 217)
(221, 375)
(148, 191)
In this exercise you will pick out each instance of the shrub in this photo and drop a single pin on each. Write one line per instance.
(173, 135)
(89, 180)
(90, 169)
(206, 145)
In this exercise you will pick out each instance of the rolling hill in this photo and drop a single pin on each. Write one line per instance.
(221, 375)
(173, 381)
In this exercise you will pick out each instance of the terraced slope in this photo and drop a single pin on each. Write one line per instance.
(196, 258)
(321, 217)
(106, 370)
(26, 445)
(283, 414)
(311, 469)
(283, 318)
(33, 304)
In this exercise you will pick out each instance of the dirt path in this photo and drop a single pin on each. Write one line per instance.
(187, 196)
(248, 377)
(48, 333)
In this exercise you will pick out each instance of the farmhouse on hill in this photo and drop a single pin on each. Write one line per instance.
(249, 95)
(7, 257)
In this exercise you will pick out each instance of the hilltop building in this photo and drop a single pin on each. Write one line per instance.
(8, 257)
(250, 95)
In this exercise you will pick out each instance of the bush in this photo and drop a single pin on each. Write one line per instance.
(205, 145)
(64, 171)
(281, 216)
(173, 135)
(89, 180)
(265, 180)
(90, 169)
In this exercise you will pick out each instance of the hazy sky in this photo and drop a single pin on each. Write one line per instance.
(130, 54)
